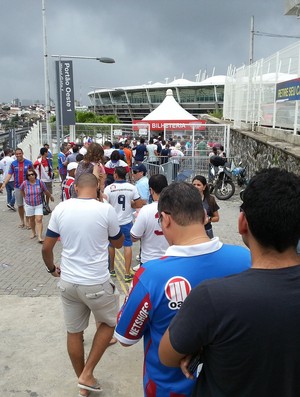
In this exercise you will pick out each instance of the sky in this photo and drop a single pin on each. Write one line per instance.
(150, 40)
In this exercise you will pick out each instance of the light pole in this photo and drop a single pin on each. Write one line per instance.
(46, 76)
(59, 86)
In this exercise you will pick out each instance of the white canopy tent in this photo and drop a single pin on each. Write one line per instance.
(169, 110)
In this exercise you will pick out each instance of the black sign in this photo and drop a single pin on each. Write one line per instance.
(65, 93)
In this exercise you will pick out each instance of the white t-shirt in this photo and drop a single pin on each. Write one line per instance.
(147, 228)
(84, 226)
(83, 150)
(5, 165)
(151, 148)
(119, 195)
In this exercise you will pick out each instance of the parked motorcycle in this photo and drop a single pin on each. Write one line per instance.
(240, 174)
(221, 184)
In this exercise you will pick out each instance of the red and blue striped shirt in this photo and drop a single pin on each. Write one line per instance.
(33, 193)
(18, 169)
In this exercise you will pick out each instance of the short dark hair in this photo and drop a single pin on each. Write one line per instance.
(79, 157)
(43, 150)
(158, 182)
(183, 201)
(115, 155)
(271, 206)
(75, 148)
(142, 140)
(121, 172)
(87, 180)
(31, 170)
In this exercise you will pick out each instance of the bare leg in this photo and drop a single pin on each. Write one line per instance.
(128, 259)
(21, 215)
(32, 225)
(112, 253)
(39, 226)
(101, 340)
(76, 351)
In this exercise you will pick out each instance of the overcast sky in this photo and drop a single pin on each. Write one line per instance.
(150, 40)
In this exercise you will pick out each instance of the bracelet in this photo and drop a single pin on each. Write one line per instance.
(51, 271)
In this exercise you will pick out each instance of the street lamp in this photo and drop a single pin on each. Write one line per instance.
(59, 85)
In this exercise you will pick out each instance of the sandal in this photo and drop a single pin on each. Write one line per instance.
(21, 226)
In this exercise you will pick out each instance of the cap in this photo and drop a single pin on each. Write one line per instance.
(72, 143)
(139, 168)
(72, 166)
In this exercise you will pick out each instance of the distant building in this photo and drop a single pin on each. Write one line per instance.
(136, 102)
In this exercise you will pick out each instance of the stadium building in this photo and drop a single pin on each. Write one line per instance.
(136, 102)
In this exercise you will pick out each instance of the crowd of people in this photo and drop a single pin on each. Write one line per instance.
(215, 319)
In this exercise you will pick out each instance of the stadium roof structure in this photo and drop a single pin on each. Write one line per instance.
(135, 102)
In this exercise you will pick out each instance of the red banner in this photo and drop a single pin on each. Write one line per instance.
(169, 124)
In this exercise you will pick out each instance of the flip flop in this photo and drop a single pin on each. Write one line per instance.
(83, 395)
(21, 226)
(33, 236)
(96, 387)
(41, 241)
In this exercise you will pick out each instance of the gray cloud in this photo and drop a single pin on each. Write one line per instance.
(150, 40)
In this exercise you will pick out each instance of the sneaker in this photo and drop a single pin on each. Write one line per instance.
(11, 207)
(128, 278)
(136, 268)
(138, 257)
(112, 273)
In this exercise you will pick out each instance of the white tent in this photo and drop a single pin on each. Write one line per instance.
(169, 110)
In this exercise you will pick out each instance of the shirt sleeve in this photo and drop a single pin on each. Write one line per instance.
(22, 186)
(136, 194)
(133, 317)
(139, 226)
(113, 226)
(191, 328)
(53, 224)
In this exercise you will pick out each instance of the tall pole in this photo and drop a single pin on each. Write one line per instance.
(251, 51)
(46, 76)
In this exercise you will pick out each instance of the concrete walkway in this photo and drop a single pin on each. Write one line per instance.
(33, 357)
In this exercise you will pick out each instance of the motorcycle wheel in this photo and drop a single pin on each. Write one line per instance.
(226, 191)
(210, 187)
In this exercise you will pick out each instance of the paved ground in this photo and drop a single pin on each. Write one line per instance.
(33, 357)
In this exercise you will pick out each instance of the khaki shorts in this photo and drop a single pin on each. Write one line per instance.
(19, 197)
(80, 300)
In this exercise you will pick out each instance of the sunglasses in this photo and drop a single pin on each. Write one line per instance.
(30, 174)
(160, 217)
(136, 172)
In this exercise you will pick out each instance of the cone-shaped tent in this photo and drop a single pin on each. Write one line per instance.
(169, 110)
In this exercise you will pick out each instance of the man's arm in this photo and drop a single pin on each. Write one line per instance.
(167, 354)
(139, 203)
(5, 182)
(117, 241)
(47, 254)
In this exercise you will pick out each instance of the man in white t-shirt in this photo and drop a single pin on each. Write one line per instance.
(85, 227)
(146, 226)
(123, 196)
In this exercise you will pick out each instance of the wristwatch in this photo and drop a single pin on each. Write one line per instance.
(51, 271)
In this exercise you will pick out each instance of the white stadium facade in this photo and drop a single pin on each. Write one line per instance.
(136, 102)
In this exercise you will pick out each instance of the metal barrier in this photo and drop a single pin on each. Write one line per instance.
(185, 170)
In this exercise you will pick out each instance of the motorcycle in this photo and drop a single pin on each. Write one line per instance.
(240, 174)
(221, 184)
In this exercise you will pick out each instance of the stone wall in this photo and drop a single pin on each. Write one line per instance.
(258, 151)
(263, 148)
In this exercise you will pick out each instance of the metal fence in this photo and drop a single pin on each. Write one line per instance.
(250, 92)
